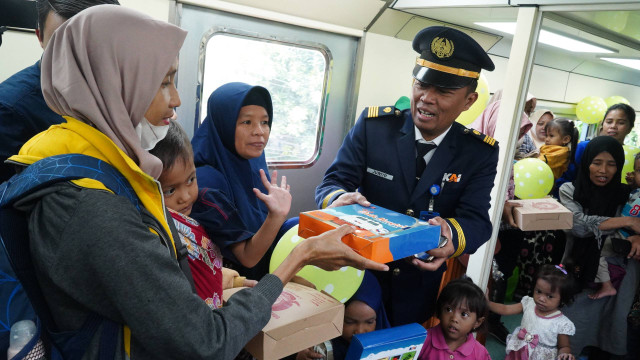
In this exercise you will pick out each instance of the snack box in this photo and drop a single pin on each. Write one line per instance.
(301, 317)
(397, 343)
(542, 214)
(381, 235)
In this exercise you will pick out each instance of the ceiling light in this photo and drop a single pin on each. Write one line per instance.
(550, 38)
(632, 63)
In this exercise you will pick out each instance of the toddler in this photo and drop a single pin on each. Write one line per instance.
(544, 331)
(462, 309)
(559, 146)
(180, 191)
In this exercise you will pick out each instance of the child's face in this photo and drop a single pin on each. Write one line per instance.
(179, 186)
(359, 318)
(546, 301)
(636, 173)
(554, 137)
(457, 323)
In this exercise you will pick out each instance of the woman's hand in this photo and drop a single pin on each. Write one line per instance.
(507, 212)
(635, 247)
(277, 198)
(327, 252)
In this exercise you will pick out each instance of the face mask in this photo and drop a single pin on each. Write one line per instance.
(149, 134)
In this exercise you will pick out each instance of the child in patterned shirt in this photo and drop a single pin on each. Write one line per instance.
(180, 191)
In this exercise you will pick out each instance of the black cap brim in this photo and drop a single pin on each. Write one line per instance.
(439, 78)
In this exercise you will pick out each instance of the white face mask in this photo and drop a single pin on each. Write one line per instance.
(150, 134)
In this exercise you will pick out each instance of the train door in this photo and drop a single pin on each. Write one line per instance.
(308, 72)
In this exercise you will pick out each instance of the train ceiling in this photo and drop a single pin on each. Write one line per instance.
(616, 30)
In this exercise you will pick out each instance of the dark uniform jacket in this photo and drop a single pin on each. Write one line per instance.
(378, 159)
(23, 113)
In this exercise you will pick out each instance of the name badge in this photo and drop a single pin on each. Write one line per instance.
(379, 173)
(449, 177)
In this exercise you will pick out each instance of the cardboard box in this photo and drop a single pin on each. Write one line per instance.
(542, 214)
(381, 235)
(397, 343)
(301, 318)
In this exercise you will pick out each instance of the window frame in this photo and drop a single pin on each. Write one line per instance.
(280, 40)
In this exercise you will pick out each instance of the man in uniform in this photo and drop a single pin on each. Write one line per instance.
(420, 159)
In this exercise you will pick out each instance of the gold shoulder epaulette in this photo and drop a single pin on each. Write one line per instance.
(378, 111)
(482, 137)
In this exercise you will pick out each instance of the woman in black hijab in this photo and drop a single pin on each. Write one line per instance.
(596, 198)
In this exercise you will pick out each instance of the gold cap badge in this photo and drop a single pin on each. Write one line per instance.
(442, 47)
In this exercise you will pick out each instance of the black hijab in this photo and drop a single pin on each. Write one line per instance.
(601, 200)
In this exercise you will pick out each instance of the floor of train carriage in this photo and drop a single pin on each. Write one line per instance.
(495, 348)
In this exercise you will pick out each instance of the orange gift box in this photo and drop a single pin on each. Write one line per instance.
(381, 235)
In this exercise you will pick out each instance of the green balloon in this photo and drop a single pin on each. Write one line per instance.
(629, 158)
(612, 100)
(533, 178)
(591, 109)
(341, 284)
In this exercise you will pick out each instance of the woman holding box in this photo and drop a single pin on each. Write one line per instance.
(596, 197)
(96, 254)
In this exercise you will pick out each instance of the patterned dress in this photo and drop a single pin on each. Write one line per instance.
(205, 259)
(537, 336)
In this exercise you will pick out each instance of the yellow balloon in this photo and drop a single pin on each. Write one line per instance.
(533, 178)
(467, 117)
(341, 284)
(612, 100)
(629, 158)
(591, 109)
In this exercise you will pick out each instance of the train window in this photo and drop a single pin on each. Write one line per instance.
(296, 75)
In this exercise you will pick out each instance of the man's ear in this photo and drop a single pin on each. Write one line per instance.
(471, 98)
(39, 35)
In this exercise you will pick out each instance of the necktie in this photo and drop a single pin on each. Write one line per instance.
(423, 149)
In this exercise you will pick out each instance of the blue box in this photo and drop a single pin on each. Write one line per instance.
(381, 235)
(397, 343)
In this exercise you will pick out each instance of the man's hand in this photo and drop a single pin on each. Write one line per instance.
(350, 198)
(441, 254)
(507, 212)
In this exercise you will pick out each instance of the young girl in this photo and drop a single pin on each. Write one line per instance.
(462, 309)
(544, 331)
(559, 145)
(180, 191)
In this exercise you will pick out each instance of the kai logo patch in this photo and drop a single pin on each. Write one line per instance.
(442, 47)
(450, 177)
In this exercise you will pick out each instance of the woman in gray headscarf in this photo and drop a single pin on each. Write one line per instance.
(110, 72)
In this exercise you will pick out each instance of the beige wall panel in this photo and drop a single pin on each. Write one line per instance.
(20, 50)
(386, 71)
(580, 86)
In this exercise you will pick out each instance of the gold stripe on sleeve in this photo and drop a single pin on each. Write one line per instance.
(325, 202)
(462, 242)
